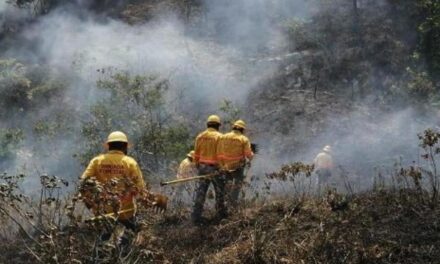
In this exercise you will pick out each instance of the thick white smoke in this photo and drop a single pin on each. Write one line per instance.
(3, 6)
(206, 67)
(10, 14)
(213, 60)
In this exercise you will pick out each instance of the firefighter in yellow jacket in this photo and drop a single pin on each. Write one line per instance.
(324, 166)
(234, 152)
(119, 179)
(187, 168)
(205, 157)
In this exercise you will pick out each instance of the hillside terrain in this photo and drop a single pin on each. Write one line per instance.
(374, 227)
(361, 76)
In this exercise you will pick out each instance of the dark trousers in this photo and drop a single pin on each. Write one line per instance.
(234, 184)
(130, 223)
(202, 188)
(324, 176)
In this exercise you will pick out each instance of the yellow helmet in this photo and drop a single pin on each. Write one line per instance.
(117, 136)
(191, 154)
(240, 124)
(214, 119)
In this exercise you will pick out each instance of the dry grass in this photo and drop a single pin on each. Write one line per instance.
(381, 227)
(374, 227)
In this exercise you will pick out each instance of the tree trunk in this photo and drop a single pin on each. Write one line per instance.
(356, 24)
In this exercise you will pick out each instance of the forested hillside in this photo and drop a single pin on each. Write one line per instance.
(362, 76)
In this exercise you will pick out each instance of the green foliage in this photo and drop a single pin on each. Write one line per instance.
(420, 84)
(429, 30)
(301, 38)
(415, 87)
(14, 84)
(292, 171)
(372, 46)
(137, 106)
(59, 124)
(422, 17)
(9, 191)
(37, 7)
(26, 91)
(231, 113)
(349, 47)
(429, 142)
(429, 138)
(9, 140)
(26, 87)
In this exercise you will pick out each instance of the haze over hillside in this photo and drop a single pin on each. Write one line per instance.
(361, 76)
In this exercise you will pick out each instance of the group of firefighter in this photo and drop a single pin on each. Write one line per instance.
(217, 159)
(223, 157)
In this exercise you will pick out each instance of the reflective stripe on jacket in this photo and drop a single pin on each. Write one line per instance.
(233, 148)
(120, 175)
(206, 147)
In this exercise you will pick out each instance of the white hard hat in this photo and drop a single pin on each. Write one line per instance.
(327, 149)
(117, 136)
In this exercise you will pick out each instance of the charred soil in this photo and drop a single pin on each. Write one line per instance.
(374, 227)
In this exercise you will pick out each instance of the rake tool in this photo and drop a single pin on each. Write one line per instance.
(151, 200)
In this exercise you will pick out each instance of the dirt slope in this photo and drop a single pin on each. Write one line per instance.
(379, 227)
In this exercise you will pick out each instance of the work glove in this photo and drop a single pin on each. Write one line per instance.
(157, 201)
(160, 202)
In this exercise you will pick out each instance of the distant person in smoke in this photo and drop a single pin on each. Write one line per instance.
(187, 169)
(234, 153)
(324, 166)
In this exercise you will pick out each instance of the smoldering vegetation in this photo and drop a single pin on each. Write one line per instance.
(387, 224)
(82, 48)
(257, 55)
(304, 74)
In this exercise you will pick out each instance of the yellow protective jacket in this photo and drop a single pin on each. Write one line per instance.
(323, 161)
(121, 177)
(186, 169)
(206, 147)
(233, 149)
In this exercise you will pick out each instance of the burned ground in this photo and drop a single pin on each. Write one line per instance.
(376, 227)
(382, 226)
